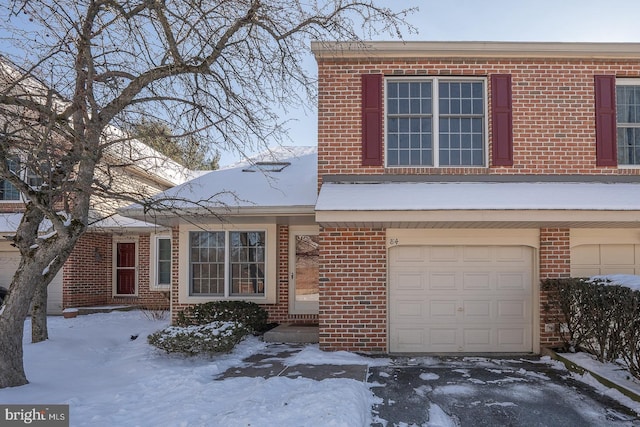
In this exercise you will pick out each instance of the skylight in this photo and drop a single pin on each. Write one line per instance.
(266, 167)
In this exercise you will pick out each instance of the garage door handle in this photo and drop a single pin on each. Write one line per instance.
(460, 309)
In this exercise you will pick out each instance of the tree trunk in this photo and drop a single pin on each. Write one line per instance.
(39, 330)
(12, 318)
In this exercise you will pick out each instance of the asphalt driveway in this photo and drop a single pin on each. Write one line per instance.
(476, 391)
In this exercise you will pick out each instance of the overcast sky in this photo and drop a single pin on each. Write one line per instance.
(502, 20)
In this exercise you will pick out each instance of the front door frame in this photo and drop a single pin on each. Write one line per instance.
(299, 307)
(116, 241)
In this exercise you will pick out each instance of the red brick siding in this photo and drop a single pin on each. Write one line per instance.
(555, 262)
(353, 289)
(88, 275)
(553, 113)
(11, 207)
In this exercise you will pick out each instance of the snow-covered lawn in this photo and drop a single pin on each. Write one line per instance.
(108, 379)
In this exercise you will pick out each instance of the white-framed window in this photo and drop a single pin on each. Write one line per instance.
(436, 121)
(8, 192)
(227, 263)
(161, 254)
(628, 121)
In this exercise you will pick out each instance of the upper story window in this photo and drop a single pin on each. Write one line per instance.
(8, 192)
(437, 122)
(628, 121)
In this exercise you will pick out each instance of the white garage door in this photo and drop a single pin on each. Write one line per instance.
(460, 299)
(9, 261)
(592, 260)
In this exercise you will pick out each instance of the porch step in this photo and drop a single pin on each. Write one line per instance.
(287, 333)
(106, 308)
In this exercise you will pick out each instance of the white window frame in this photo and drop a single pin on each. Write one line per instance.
(154, 250)
(25, 174)
(625, 82)
(270, 264)
(20, 196)
(435, 114)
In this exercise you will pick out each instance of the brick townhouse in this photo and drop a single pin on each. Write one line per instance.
(451, 178)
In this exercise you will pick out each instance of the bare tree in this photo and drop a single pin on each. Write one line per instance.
(218, 69)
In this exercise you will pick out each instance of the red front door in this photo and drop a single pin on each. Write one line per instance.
(126, 269)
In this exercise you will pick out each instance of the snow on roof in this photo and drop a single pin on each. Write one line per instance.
(144, 157)
(248, 184)
(120, 222)
(9, 223)
(416, 196)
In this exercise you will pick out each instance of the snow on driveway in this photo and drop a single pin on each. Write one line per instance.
(109, 379)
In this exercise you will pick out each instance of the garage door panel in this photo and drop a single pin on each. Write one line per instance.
(410, 309)
(478, 337)
(442, 310)
(618, 254)
(512, 310)
(476, 281)
(511, 337)
(475, 310)
(408, 254)
(440, 338)
(476, 299)
(512, 254)
(586, 254)
(476, 254)
(520, 281)
(442, 281)
(409, 280)
(9, 262)
(411, 337)
(592, 260)
(584, 272)
(443, 254)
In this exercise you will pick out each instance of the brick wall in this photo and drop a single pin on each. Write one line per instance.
(11, 207)
(553, 112)
(88, 275)
(353, 289)
(555, 262)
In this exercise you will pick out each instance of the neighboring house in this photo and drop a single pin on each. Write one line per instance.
(118, 260)
(451, 178)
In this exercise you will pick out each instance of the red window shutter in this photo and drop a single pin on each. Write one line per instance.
(372, 120)
(606, 139)
(501, 119)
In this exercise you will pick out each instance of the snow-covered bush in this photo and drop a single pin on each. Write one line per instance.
(598, 316)
(212, 327)
(214, 337)
(250, 314)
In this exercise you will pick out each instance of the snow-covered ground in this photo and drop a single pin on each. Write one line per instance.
(108, 379)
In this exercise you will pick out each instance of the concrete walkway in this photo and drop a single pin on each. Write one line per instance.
(270, 363)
